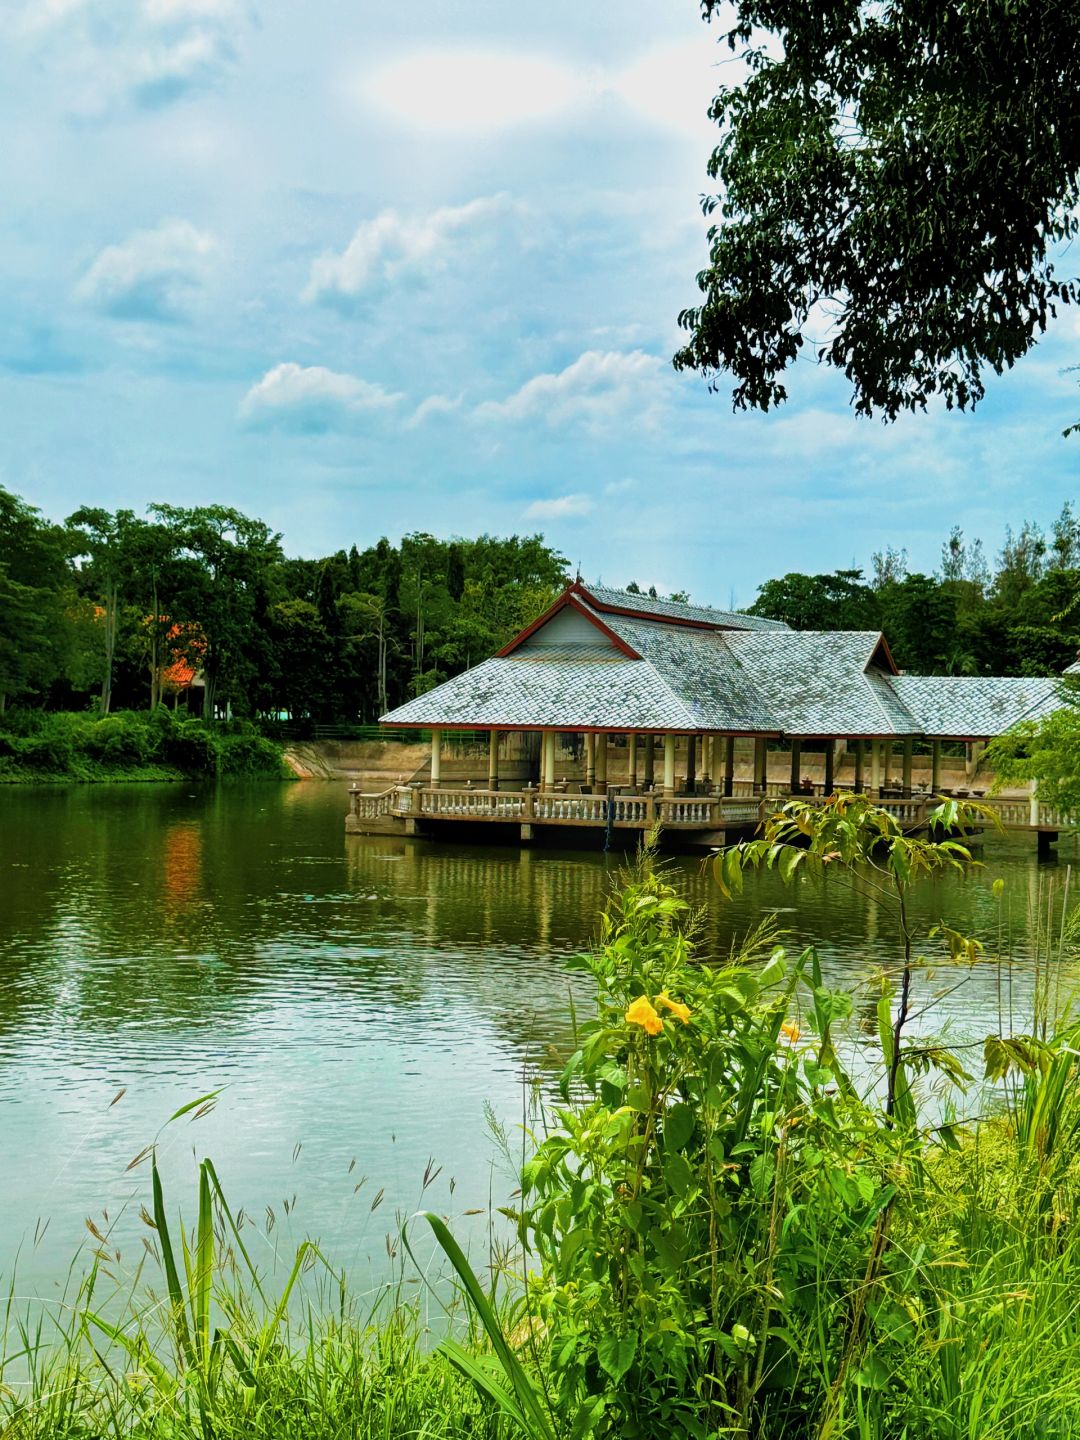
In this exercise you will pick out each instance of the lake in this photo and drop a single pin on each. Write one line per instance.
(363, 1005)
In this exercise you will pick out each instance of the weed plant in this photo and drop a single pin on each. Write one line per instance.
(725, 1226)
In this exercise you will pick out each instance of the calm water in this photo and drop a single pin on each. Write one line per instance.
(359, 1002)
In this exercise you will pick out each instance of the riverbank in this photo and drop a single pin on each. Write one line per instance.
(37, 747)
(766, 1246)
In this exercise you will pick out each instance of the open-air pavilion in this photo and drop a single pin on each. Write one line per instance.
(676, 692)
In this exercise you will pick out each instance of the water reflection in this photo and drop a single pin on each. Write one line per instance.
(363, 997)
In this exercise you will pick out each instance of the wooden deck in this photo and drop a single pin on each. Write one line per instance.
(696, 819)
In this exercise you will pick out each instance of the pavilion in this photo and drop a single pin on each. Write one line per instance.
(689, 681)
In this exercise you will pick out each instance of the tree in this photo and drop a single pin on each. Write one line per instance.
(34, 576)
(901, 174)
(840, 601)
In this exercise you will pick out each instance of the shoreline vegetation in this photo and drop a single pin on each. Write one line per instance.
(56, 747)
(753, 1211)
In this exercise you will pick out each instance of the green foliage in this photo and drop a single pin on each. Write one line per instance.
(880, 165)
(1046, 751)
(128, 745)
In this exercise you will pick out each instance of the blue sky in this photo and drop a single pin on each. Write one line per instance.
(367, 268)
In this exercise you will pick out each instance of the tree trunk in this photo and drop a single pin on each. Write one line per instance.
(110, 645)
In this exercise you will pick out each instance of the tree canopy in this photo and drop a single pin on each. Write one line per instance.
(896, 183)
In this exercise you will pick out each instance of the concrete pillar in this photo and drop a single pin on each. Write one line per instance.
(436, 759)
(935, 766)
(909, 748)
(1033, 807)
(761, 765)
(796, 764)
(601, 763)
(886, 761)
(875, 768)
(706, 759)
(830, 763)
(860, 751)
(547, 760)
(493, 759)
(669, 764)
(691, 763)
(590, 760)
(631, 761)
(729, 764)
(650, 759)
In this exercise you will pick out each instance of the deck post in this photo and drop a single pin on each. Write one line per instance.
(909, 748)
(669, 764)
(436, 758)
(729, 765)
(1033, 808)
(875, 768)
(590, 760)
(631, 746)
(706, 761)
(761, 766)
(493, 759)
(650, 760)
(691, 763)
(601, 763)
(860, 747)
(830, 762)
(547, 760)
(935, 766)
(796, 764)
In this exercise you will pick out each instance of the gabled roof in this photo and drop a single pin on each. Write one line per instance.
(974, 707)
(603, 659)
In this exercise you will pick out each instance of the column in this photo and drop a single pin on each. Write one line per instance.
(669, 764)
(935, 766)
(706, 761)
(909, 748)
(729, 765)
(547, 761)
(860, 749)
(631, 761)
(796, 764)
(691, 763)
(886, 761)
(830, 765)
(436, 759)
(875, 768)
(493, 759)
(1033, 806)
(590, 761)
(761, 766)
(650, 759)
(601, 764)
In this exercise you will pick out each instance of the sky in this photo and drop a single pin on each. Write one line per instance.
(367, 268)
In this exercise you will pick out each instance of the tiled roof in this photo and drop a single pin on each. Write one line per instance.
(973, 707)
(767, 680)
(554, 690)
(815, 682)
(678, 610)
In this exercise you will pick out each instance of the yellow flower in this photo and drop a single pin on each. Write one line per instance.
(677, 1008)
(641, 1013)
(790, 1031)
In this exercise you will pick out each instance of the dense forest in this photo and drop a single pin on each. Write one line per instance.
(113, 611)
(109, 611)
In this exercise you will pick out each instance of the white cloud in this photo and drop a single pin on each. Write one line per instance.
(164, 72)
(620, 487)
(309, 399)
(391, 248)
(598, 388)
(151, 275)
(434, 405)
(476, 91)
(560, 508)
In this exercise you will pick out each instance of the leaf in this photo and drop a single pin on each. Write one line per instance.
(679, 1123)
(616, 1354)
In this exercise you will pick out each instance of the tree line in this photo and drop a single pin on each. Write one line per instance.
(111, 610)
(1015, 615)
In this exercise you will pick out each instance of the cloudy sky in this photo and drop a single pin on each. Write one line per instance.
(367, 268)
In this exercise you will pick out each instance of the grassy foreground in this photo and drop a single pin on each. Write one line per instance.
(40, 746)
(749, 1215)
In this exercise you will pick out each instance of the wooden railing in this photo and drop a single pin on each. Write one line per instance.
(698, 812)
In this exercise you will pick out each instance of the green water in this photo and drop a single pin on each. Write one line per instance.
(359, 1002)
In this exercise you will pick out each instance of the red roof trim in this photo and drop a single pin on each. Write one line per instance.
(508, 725)
(569, 599)
(652, 615)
